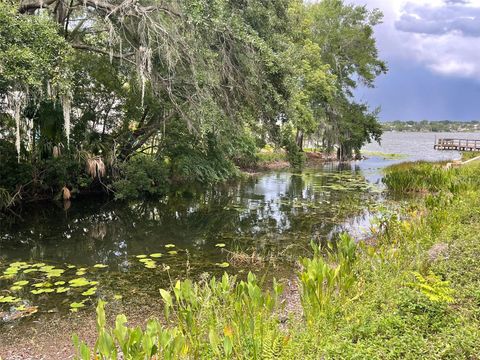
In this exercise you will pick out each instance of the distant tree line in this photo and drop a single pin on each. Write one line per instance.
(432, 126)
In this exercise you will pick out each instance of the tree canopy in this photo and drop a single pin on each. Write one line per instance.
(198, 86)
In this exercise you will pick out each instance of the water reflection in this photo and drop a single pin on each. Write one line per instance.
(267, 212)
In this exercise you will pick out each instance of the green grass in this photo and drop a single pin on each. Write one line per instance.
(391, 298)
(468, 155)
(385, 156)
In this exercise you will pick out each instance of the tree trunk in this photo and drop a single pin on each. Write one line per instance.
(299, 140)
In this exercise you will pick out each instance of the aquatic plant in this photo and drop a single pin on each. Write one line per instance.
(326, 275)
(194, 327)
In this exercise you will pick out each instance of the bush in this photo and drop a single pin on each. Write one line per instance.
(12, 173)
(141, 176)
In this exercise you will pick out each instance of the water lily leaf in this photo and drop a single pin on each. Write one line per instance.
(58, 283)
(117, 297)
(18, 264)
(156, 255)
(141, 256)
(100, 266)
(9, 299)
(79, 282)
(62, 290)
(38, 291)
(145, 260)
(48, 290)
(173, 252)
(90, 292)
(38, 265)
(71, 266)
(47, 268)
(16, 288)
(21, 283)
(223, 265)
(42, 284)
(28, 271)
(81, 272)
(11, 271)
(55, 273)
(169, 246)
(93, 283)
(220, 245)
(76, 305)
(150, 266)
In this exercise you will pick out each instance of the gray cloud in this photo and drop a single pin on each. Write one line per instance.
(455, 16)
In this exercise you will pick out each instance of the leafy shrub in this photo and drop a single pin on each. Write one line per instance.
(322, 278)
(214, 320)
(141, 176)
(12, 173)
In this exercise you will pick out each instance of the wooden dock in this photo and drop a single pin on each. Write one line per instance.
(457, 144)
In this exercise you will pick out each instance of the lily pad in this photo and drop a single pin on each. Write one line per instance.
(223, 265)
(220, 245)
(117, 297)
(62, 290)
(76, 305)
(79, 282)
(100, 266)
(16, 288)
(173, 252)
(9, 299)
(170, 246)
(42, 284)
(81, 272)
(58, 283)
(141, 256)
(156, 255)
(90, 292)
(21, 283)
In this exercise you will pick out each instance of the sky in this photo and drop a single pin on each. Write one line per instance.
(432, 48)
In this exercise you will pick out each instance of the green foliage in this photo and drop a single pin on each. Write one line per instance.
(219, 319)
(229, 78)
(419, 177)
(12, 174)
(323, 278)
(141, 176)
(433, 287)
(31, 50)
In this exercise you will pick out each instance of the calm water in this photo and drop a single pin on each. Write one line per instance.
(51, 244)
(274, 214)
(419, 146)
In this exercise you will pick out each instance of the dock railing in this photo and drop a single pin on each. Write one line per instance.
(457, 144)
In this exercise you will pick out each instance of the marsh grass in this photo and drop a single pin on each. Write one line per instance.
(240, 258)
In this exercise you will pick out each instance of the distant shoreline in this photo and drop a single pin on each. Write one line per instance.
(431, 126)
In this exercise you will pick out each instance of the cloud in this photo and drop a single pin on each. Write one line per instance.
(453, 16)
(443, 36)
(432, 49)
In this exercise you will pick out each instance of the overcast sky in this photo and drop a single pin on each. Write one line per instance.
(432, 48)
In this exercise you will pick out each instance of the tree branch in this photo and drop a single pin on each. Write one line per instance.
(106, 6)
(104, 52)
